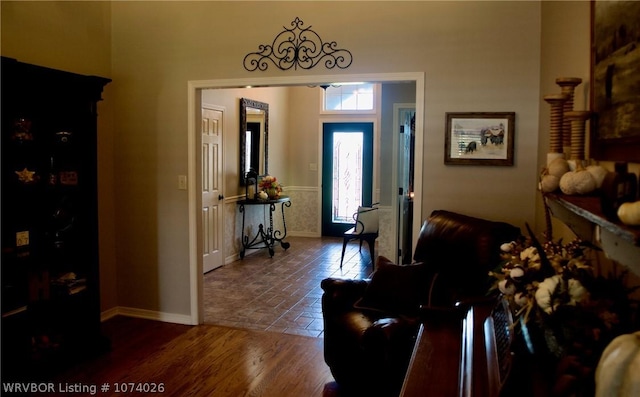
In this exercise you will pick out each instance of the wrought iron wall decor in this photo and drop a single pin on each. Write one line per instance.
(297, 47)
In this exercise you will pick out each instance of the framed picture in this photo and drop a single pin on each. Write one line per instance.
(615, 81)
(481, 138)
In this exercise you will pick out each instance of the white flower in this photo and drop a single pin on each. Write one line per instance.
(530, 253)
(545, 290)
(506, 287)
(516, 273)
(507, 247)
(577, 292)
(521, 299)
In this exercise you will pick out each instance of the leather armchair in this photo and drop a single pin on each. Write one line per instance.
(368, 350)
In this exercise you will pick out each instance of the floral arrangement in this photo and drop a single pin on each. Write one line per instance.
(270, 185)
(553, 289)
(529, 282)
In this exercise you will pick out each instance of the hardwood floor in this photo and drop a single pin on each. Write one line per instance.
(261, 338)
(205, 360)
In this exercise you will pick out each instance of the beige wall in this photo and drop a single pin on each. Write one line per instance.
(476, 56)
(158, 47)
(565, 53)
(229, 99)
(66, 35)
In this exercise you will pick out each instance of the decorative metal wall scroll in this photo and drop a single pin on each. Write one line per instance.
(297, 47)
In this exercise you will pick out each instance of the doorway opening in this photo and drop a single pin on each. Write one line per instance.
(195, 201)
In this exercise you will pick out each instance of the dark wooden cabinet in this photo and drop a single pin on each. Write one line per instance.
(50, 286)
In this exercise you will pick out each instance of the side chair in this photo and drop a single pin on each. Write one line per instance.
(365, 229)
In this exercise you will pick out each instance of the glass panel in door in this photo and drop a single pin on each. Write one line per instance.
(347, 174)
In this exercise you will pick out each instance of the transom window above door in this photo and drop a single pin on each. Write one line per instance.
(349, 98)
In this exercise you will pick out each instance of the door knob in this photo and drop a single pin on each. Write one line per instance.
(220, 197)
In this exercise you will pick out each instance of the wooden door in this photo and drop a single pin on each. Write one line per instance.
(212, 198)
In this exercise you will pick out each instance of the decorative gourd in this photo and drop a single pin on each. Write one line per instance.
(579, 181)
(558, 167)
(619, 366)
(629, 213)
(550, 177)
(549, 183)
(599, 173)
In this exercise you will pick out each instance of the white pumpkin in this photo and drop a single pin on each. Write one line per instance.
(579, 181)
(549, 183)
(619, 366)
(629, 213)
(558, 167)
(598, 172)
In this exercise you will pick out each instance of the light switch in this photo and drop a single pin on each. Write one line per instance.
(182, 182)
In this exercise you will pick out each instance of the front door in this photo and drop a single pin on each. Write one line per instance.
(347, 174)
(212, 199)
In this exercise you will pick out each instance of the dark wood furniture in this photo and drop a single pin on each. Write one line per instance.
(266, 237)
(50, 286)
(461, 352)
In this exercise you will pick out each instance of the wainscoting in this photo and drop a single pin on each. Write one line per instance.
(302, 218)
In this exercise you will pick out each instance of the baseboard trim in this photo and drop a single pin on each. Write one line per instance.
(146, 314)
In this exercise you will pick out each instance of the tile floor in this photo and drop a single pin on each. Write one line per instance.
(281, 294)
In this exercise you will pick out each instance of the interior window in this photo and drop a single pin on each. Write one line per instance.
(349, 97)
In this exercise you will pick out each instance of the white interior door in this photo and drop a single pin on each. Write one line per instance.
(212, 198)
(403, 179)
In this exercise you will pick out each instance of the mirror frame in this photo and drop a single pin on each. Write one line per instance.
(250, 103)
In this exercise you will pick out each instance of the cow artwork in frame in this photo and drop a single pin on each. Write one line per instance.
(480, 138)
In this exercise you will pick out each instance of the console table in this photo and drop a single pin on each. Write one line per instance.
(265, 237)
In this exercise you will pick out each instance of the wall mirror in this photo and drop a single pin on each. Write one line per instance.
(254, 137)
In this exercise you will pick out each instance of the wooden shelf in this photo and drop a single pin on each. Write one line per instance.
(589, 208)
(584, 216)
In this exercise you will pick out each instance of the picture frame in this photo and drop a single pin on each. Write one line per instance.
(479, 138)
(615, 60)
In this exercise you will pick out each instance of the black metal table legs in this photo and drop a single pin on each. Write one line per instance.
(265, 237)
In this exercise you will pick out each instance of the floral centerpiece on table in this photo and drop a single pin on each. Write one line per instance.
(270, 185)
(565, 311)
